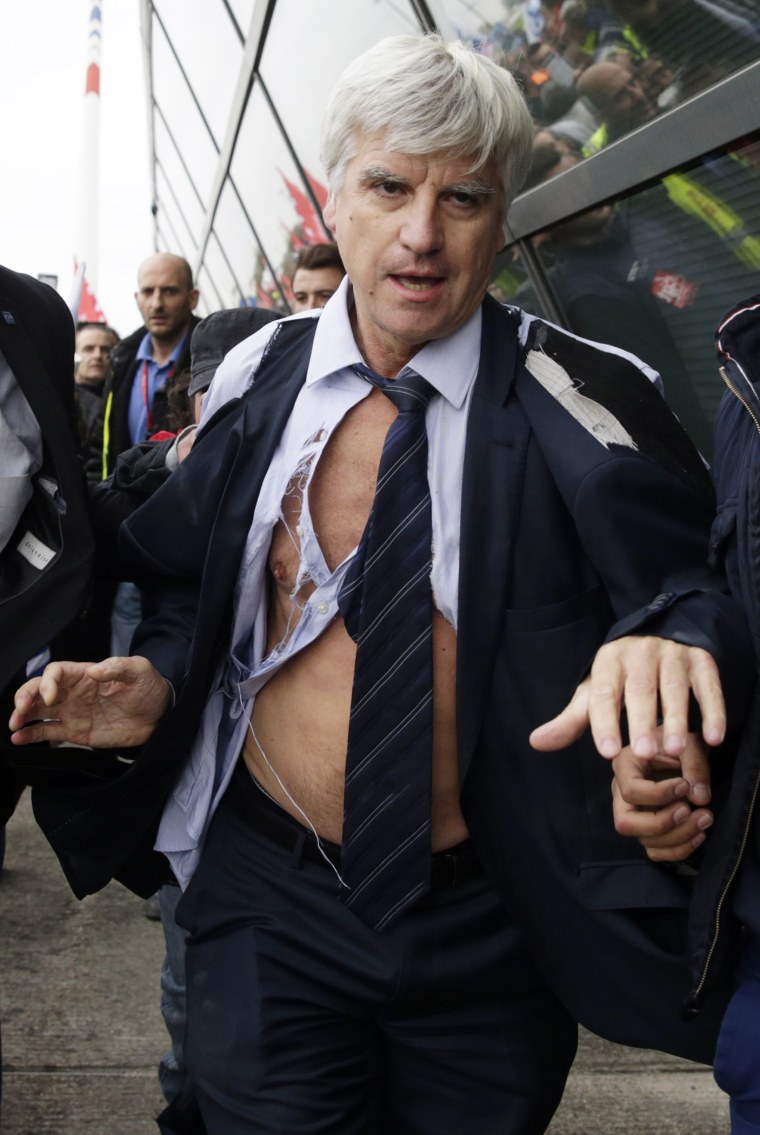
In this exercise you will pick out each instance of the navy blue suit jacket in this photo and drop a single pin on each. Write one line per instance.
(565, 543)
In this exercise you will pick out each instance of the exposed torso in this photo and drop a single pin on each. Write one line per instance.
(300, 719)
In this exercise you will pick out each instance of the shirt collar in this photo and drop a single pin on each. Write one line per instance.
(449, 365)
(145, 352)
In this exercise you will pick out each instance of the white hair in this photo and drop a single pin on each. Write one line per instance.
(429, 98)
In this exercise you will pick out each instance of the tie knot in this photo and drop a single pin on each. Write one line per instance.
(409, 393)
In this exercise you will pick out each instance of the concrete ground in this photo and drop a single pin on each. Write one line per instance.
(82, 1031)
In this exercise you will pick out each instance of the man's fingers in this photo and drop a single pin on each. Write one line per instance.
(709, 695)
(674, 687)
(668, 834)
(39, 730)
(640, 676)
(566, 727)
(695, 769)
(648, 784)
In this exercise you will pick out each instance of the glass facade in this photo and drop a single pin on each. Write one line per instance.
(640, 222)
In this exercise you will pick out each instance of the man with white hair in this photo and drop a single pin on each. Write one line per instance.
(407, 525)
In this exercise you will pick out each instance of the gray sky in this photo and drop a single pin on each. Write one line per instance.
(43, 51)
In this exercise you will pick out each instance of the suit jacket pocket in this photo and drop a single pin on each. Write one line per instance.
(556, 615)
(633, 884)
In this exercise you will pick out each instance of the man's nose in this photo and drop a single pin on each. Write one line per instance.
(421, 230)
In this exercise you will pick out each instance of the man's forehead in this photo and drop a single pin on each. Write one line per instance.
(161, 280)
(161, 274)
(377, 150)
(314, 275)
(95, 336)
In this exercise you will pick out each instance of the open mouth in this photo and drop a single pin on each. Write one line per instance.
(419, 283)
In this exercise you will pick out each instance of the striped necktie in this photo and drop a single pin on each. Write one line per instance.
(386, 603)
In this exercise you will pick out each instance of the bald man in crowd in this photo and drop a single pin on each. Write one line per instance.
(144, 365)
(135, 396)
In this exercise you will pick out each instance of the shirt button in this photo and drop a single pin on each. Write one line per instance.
(299, 530)
(322, 608)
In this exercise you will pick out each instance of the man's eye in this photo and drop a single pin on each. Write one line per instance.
(389, 188)
(462, 197)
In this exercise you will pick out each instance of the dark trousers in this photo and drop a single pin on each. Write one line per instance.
(301, 1019)
(737, 1057)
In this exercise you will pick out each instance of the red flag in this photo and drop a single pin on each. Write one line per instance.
(89, 308)
(317, 189)
(312, 225)
(84, 306)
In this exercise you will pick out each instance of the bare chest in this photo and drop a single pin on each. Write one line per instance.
(340, 494)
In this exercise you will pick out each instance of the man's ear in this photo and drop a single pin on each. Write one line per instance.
(195, 295)
(329, 213)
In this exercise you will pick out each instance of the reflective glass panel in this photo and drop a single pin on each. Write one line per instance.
(243, 10)
(593, 70)
(330, 34)
(167, 205)
(210, 299)
(219, 270)
(656, 271)
(169, 240)
(271, 189)
(204, 38)
(184, 121)
(176, 175)
(235, 235)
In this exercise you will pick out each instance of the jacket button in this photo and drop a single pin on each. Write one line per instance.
(661, 601)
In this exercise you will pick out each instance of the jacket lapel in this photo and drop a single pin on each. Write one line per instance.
(494, 463)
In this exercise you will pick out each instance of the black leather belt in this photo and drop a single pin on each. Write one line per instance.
(251, 804)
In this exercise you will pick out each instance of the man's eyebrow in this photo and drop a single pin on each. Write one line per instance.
(476, 187)
(380, 173)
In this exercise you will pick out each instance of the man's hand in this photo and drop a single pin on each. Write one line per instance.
(647, 677)
(662, 778)
(107, 704)
(661, 800)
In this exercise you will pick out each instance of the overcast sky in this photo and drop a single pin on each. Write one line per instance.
(43, 51)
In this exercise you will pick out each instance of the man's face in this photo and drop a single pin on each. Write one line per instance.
(625, 104)
(94, 350)
(312, 287)
(418, 237)
(164, 297)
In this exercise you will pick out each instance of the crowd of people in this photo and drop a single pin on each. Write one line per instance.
(365, 570)
(595, 71)
(667, 51)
